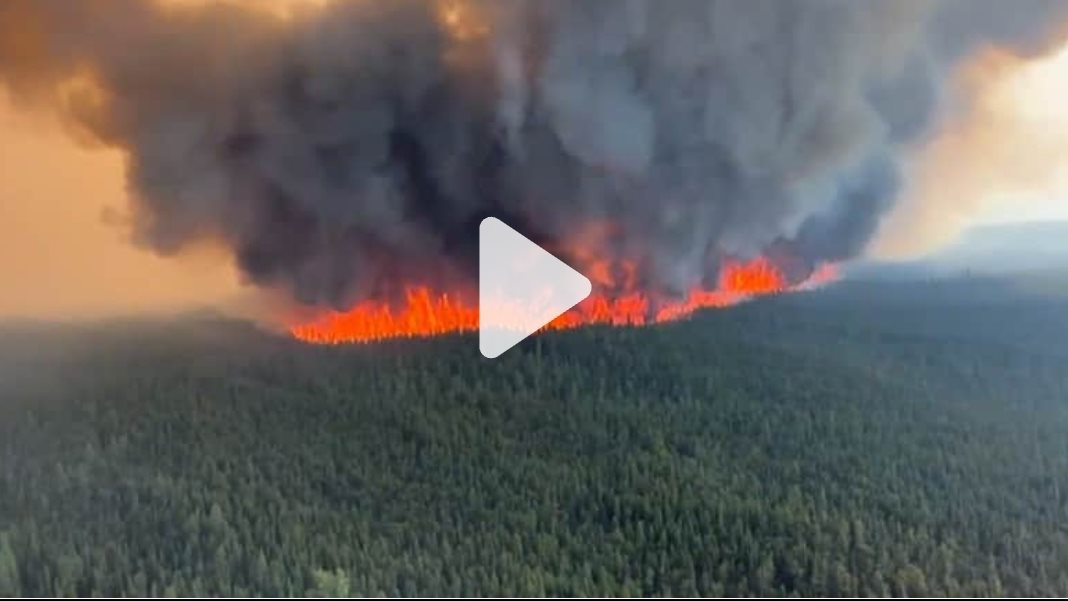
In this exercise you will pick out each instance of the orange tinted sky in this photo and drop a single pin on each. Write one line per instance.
(58, 257)
(1007, 160)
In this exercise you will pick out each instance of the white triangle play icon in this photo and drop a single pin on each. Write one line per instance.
(521, 287)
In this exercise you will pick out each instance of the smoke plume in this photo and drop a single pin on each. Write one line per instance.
(350, 149)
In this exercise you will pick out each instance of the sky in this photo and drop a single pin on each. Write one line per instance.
(1033, 100)
(1004, 160)
(65, 253)
(67, 259)
(1045, 208)
(60, 256)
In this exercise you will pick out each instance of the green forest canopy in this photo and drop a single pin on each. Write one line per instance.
(865, 440)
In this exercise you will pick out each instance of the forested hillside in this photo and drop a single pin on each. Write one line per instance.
(863, 440)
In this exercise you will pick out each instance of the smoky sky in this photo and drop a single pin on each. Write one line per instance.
(351, 150)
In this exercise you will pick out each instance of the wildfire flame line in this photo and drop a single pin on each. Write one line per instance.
(425, 313)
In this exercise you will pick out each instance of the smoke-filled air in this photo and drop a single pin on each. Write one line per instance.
(681, 153)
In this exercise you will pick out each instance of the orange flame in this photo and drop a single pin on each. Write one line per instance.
(425, 313)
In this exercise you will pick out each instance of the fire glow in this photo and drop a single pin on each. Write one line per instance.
(425, 313)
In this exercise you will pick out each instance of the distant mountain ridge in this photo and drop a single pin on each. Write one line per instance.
(998, 249)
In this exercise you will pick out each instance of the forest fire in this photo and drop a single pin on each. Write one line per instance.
(425, 313)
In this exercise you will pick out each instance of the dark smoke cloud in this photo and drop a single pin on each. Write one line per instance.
(354, 148)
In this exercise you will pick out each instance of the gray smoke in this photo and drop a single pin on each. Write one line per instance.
(352, 150)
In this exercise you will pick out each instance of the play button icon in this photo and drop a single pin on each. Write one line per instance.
(521, 287)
